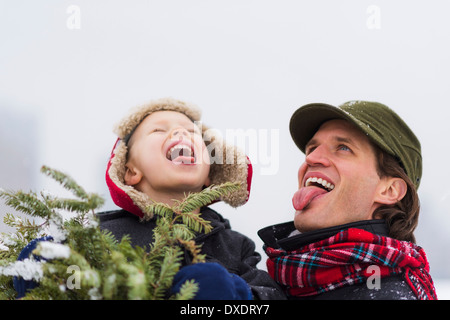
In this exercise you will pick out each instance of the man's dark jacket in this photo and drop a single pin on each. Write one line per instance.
(229, 248)
(284, 236)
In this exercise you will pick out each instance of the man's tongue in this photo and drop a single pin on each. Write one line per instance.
(304, 196)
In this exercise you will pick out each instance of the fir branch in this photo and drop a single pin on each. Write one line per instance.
(92, 202)
(179, 231)
(169, 267)
(187, 290)
(191, 203)
(27, 203)
(160, 209)
(19, 223)
(205, 197)
(66, 181)
(108, 268)
(195, 222)
(26, 229)
(194, 250)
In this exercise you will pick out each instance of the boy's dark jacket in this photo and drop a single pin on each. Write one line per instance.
(231, 249)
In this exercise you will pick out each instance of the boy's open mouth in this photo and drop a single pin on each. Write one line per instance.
(181, 153)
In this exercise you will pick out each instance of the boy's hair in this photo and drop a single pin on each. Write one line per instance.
(402, 217)
(233, 167)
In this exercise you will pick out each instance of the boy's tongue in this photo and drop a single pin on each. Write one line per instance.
(183, 160)
(304, 196)
(182, 155)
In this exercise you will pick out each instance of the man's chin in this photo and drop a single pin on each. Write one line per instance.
(300, 221)
(304, 221)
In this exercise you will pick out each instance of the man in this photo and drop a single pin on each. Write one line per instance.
(356, 208)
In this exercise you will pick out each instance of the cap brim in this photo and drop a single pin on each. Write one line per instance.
(307, 119)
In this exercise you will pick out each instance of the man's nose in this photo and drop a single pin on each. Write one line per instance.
(319, 156)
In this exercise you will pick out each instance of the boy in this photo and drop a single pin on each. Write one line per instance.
(160, 156)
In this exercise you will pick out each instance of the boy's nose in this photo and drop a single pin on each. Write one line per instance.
(179, 133)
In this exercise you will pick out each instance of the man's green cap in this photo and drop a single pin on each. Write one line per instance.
(381, 124)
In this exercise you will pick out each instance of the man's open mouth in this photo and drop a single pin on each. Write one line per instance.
(319, 182)
(304, 196)
(181, 153)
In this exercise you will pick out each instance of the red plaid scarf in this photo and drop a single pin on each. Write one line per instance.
(344, 260)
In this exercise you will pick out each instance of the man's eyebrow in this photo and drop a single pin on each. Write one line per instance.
(345, 140)
(340, 139)
(310, 143)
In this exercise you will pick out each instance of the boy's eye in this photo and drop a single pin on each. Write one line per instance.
(157, 130)
(194, 131)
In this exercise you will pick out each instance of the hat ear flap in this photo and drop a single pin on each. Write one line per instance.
(228, 164)
(121, 193)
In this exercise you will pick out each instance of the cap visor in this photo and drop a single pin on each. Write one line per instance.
(307, 119)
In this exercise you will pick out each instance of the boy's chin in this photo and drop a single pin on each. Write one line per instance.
(187, 186)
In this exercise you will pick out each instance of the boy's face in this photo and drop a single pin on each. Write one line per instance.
(167, 156)
(343, 156)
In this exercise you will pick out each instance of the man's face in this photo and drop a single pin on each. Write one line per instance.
(342, 160)
(168, 155)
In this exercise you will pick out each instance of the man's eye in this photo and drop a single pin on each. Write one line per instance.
(309, 150)
(344, 148)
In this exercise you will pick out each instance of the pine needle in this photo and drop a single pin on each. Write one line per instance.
(66, 181)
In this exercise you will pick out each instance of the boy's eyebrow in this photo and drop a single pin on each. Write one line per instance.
(185, 123)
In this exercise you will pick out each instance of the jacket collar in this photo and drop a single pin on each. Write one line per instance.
(285, 236)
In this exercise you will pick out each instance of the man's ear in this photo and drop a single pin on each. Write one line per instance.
(132, 175)
(391, 190)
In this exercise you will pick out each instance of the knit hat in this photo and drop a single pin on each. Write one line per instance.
(238, 169)
(381, 124)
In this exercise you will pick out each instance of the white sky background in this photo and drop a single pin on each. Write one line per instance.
(247, 64)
